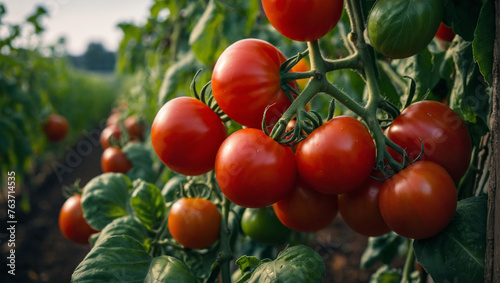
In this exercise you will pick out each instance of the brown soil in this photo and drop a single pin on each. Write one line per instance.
(44, 255)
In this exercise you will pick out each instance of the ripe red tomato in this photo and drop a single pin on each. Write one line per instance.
(56, 127)
(135, 128)
(445, 33)
(246, 80)
(336, 157)
(303, 20)
(114, 160)
(112, 130)
(360, 209)
(253, 170)
(194, 222)
(306, 210)
(186, 135)
(419, 201)
(71, 222)
(444, 134)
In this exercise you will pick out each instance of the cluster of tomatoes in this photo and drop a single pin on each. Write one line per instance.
(331, 170)
(71, 221)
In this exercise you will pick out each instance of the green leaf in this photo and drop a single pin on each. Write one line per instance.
(245, 262)
(141, 161)
(423, 69)
(106, 198)
(484, 38)
(462, 15)
(169, 269)
(148, 204)
(383, 248)
(385, 274)
(119, 255)
(294, 264)
(457, 254)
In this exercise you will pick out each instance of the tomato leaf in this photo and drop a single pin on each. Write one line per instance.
(119, 255)
(245, 262)
(148, 204)
(294, 264)
(484, 37)
(383, 248)
(385, 274)
(105, 198)
(462, 15)
(169, 269)
(457, 254)
(141, 161)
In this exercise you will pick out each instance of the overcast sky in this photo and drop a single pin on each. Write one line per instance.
(81, 21)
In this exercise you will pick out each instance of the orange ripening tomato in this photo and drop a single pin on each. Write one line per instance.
(72, 223)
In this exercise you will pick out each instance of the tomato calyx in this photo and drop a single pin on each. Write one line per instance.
(206, 96)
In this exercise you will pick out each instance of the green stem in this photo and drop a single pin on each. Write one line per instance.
(225, 255)
(410, 262)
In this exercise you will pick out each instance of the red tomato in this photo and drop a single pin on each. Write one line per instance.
(253, 170)
(303, 20)
(56, 127)
(445, 33)
(444, 134)
(246, 80)
(336, 157)
(194, 222)
(114, 160)
(71, 222)
(112, 130)
(135, 128)
(186, 135)
(305, 209)
(419, 201)
(360, 209)
(114, 118)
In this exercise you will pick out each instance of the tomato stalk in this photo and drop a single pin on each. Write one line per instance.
(225, 254)
(409, 263)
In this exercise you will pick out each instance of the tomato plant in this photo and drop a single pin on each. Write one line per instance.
(246, 80)
(56, 127)
(114, 160)
(400, 29)
(303, 20)
(420, 201)
(337, 157)
(186, 135)
(262, 225)
(306, 210)
(72, 223)
(443, 133)
(360, 209)
(194, 222)
(253, 170)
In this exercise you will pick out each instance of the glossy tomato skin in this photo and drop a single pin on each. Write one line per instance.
(445, 33)
(194, 222)
(186, 135)
(419, 201)
(303, 20)
(72, 223)
(253, 170)
(113, 159)
(263, 226)
(113, 130)
(402, 28)
(56, 127)
(246, 80)
(306, 210)
(336, 157)
(445, 136)
(360, 209)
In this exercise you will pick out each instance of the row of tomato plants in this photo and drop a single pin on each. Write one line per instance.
(386, 171)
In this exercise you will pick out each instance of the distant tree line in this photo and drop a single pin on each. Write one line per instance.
(96, 59)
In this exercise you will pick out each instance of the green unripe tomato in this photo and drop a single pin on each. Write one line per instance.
(402, 28)
(263, 226)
